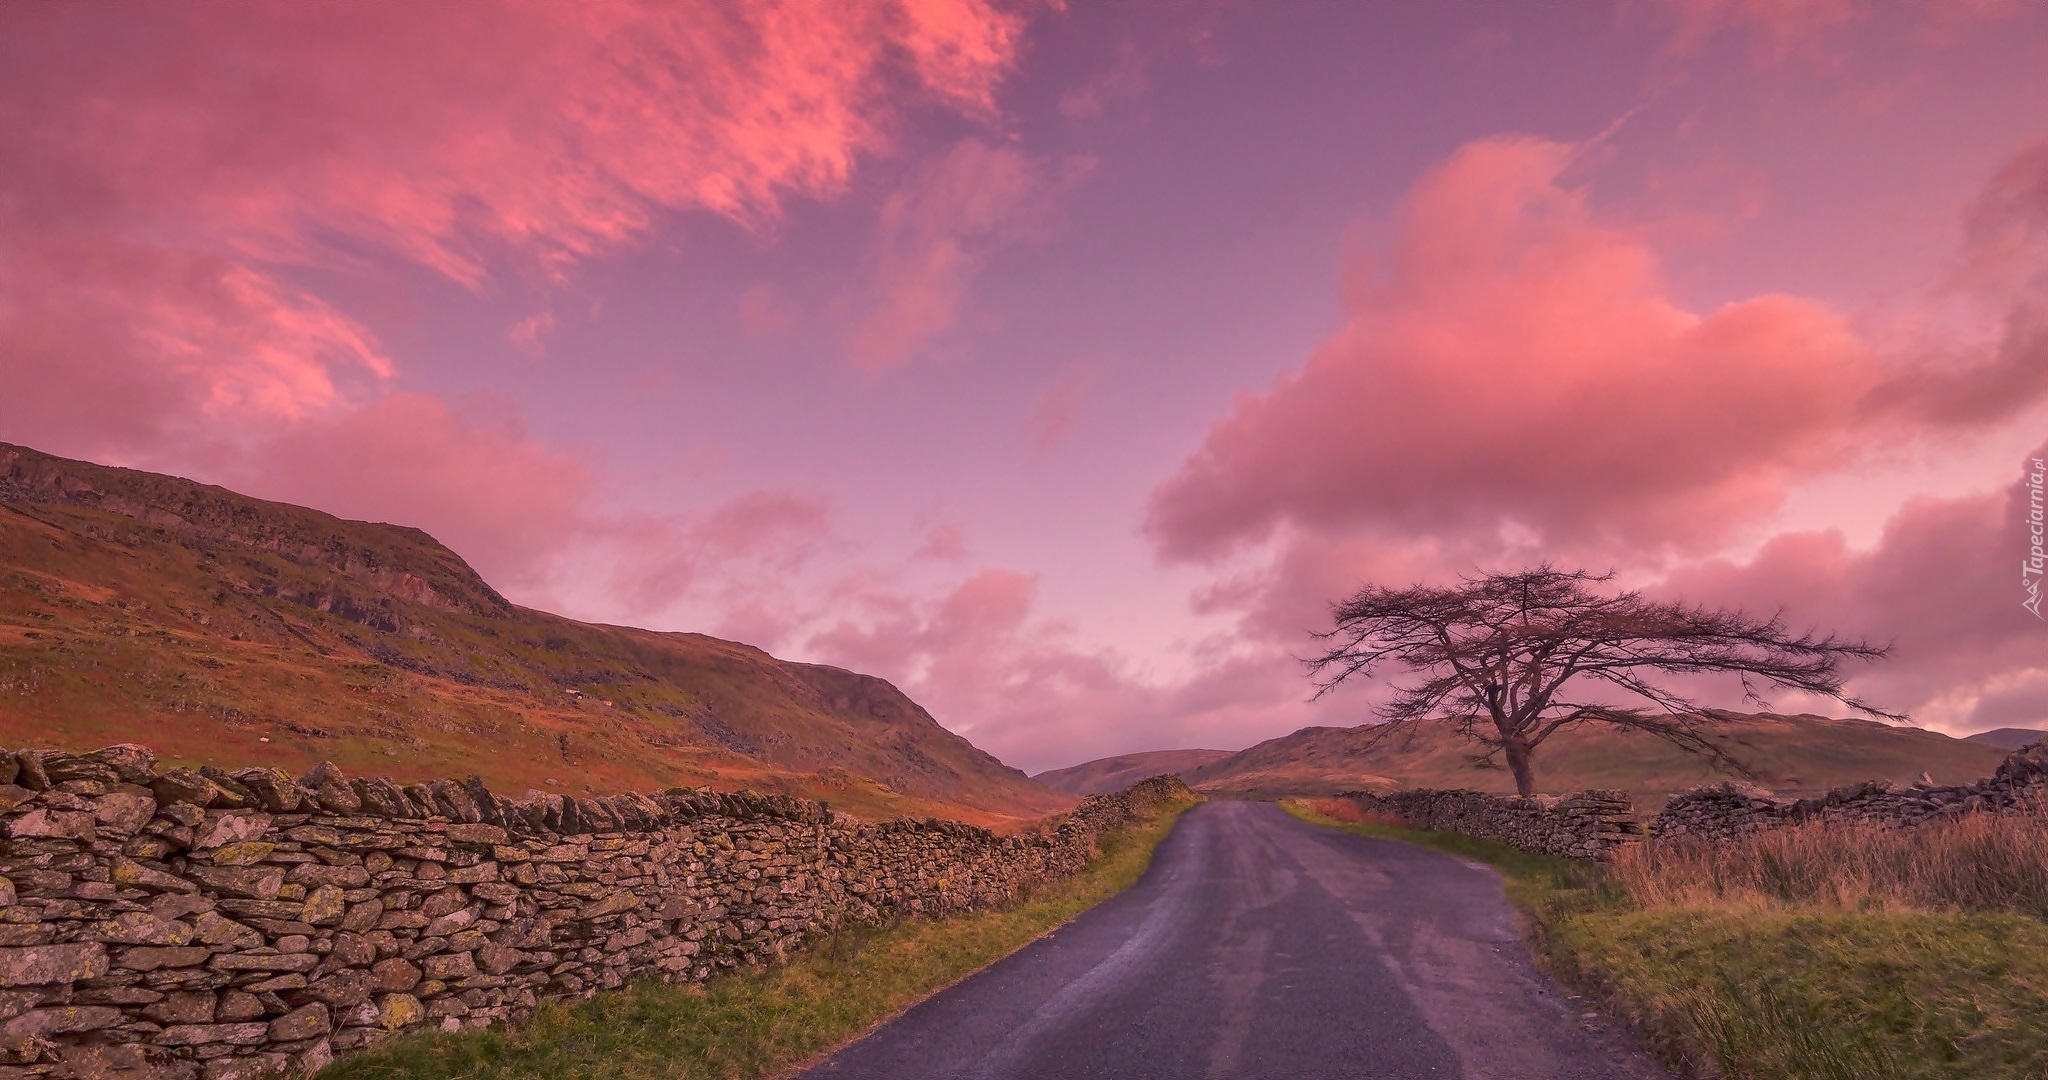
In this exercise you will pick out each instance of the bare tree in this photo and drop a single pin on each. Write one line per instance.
(1495, 654)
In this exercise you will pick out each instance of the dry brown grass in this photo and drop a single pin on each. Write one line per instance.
(1350, 813)
(1975, 863)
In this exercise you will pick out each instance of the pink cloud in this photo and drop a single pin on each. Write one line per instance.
(1944, 585)
(943, 541)
(2005, 245)
(128, 345)
(552, 129)
(1517, 360)
(2002, 263)
(1514, 383)
(748, 523)
(529, 332)
(1053, 414)
(192, 163)
(504, 503)
(766, 312)
(936, 232)
(1777, 25)
(1125, 77)
(1515, 366)
(980, 660)
(1777, 29)
(740, 558)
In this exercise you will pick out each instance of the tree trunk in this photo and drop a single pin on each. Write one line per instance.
(1518, 763)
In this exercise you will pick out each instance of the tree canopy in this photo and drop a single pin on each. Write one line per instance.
(1496, 654)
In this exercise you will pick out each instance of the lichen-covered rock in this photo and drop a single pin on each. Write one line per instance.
(304, 1022)
(140, 928)
(274, 788)
(132, 764)
(124, 812)
(245, 1034)
(182, 1007)
(51, 824)
(221, 830)
(182, 785)
(47, 965)
(396, 1011)
(60, 1020)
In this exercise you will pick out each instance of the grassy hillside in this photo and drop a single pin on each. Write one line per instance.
(1793, 755)
(211, 626)
(1104, 775)
(2008, 738)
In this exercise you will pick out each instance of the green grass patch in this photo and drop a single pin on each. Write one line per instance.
(763, 1022)
(1784, 991)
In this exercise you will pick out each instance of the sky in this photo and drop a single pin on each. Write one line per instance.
(1063, 362)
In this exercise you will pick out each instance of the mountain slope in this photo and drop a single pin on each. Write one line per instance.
(1791, 754)
(210, 625)
(1104, 775)
(2008, 738)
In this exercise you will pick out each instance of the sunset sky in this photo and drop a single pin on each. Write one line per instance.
(1061, 362)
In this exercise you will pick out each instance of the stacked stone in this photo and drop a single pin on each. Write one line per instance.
(1587, 825)
(202, 923)
(1719, 811)
(1724, 810)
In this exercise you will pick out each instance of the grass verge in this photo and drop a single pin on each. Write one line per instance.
(1767, 990)
(766, 1022)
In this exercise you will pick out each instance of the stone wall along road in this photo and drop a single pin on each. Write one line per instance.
(1596, 824)
(184, 924)
(1720, 811)
(1588, 825)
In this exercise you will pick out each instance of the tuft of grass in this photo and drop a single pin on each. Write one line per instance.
(1755, 984)
(764, 1022)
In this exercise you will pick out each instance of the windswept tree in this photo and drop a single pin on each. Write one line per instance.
(1511, 659)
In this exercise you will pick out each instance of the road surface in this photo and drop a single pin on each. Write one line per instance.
(1259, 946)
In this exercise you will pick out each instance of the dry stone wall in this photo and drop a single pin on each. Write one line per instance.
(184, 924)
(1730, 809)
(1588, 825)
(1595, 824)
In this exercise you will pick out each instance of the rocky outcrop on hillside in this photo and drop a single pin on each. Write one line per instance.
(401, 562)
(200, 923)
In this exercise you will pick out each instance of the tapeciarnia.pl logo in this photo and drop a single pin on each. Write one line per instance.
(2037, 559)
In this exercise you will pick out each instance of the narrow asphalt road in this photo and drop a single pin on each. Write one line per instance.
(1259, 946)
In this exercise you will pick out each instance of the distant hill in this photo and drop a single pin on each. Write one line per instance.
(1794, 755)
(211, 626)
(2009, 738)
(1104, 775)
